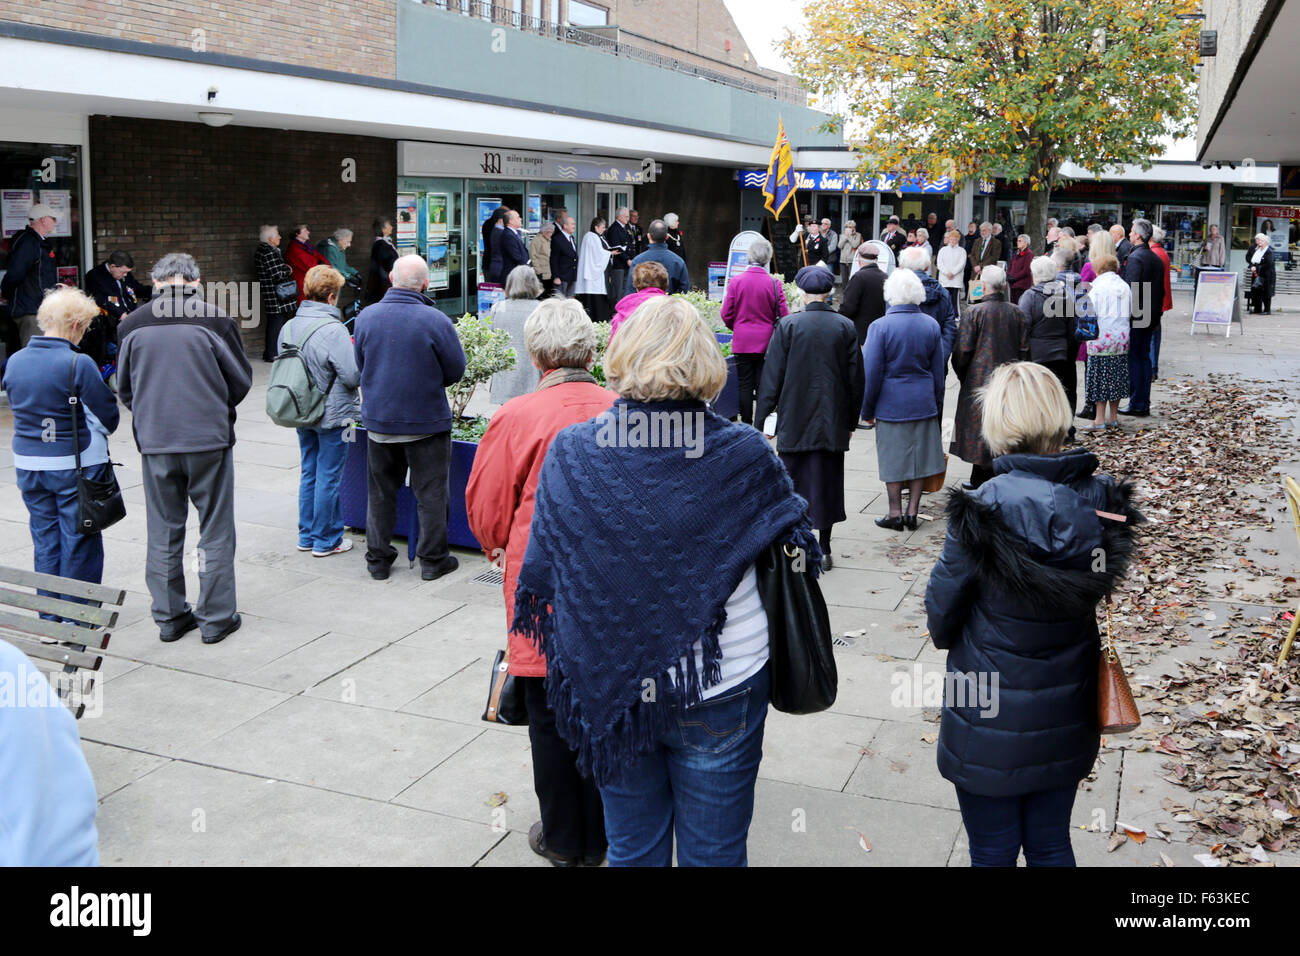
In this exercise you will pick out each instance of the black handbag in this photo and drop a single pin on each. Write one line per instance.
(801, 659)
(99, 503)
(505, 703)
(286, 291)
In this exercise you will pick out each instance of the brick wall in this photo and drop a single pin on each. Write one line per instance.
(169, 187)
(353, 36)
(706, 200)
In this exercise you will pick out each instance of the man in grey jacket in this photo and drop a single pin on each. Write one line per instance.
(181, 371)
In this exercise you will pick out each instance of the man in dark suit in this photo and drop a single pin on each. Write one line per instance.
(117, 293)
(864, 296)
(621, 239)
(1145, 274)
(986, 251)
(1123, 248)
(893, 236)
(508, 249)
(564, 257)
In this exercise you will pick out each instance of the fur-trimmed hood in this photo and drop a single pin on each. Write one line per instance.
(1033, 531)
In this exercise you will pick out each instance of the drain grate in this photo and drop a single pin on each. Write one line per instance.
(492, 577)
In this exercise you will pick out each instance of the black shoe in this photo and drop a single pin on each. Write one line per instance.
(593, 860)
(445, 566)
(1133, 414)
(538, 845)
(910, 522)
(380, 572)
(179, 630)
(893, 523)
(828, 562)
(220, 636)
(1089, 412)
(967, 486)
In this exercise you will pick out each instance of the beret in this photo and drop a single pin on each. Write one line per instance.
(817, 280)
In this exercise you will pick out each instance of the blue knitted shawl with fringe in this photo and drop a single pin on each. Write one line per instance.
(632, 555)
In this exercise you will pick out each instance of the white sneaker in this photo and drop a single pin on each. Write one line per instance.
(344, 545)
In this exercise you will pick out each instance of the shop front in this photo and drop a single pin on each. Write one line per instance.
(1279, 222)
(49, 173)
(445, 193)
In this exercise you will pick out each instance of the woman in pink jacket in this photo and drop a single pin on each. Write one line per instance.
(753, 305)
(649, 279)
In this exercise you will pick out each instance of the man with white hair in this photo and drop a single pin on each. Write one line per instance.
(1049, 307)
(621, 239)
(1146, 275)
(408, 353)
(937, 303)
(986, 251)
(30, 270)
(1123, 248)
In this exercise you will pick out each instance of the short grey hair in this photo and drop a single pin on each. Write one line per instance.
(1063, 259)
(1028, 241)
(1265, 236)
(903, 287)
(522, 283)
(558, 334)
(671, 220)
(850, 222)
(1043, 269)
(1096, 227)
(1052, 221)
(410, 272)
(264, 233)
(915, 257)
(175, 264)
(1144, 229)
(621, 211)
(1157, 234)
(760, 253)
(922, 233)
(994, 277)
(986, 225)
(547, 227)
(342, 234)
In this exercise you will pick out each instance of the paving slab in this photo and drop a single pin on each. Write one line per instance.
(394, 675)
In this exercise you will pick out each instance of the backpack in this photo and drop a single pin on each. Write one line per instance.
(292, 398)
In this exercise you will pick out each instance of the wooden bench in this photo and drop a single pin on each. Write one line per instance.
(66, 652)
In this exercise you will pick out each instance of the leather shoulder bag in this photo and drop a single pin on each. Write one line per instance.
(99, 502)
(1117, 712)
(800, 656)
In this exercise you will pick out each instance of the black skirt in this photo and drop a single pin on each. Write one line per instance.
(818, 476)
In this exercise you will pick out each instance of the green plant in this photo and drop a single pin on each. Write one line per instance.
(709, 309)
(794, 297)
(487, 351)
(470, 429)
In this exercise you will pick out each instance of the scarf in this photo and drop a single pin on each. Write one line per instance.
(558, 376)
(632, 555)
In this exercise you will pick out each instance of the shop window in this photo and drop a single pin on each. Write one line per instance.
(50, 174)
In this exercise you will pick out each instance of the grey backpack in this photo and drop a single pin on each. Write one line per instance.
(292, 398)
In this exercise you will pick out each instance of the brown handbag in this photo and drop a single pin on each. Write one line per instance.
(1117, 712)
(934, 483)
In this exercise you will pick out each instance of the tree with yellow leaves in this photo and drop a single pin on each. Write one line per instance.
(977, 89)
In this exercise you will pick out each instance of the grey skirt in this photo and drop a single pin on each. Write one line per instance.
(906, 451)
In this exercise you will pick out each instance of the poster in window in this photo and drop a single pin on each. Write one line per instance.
(534, 213)
(485, 209)
(438, 211)
(1275, 222)
(407, 227)
(14, 204)
(60, 200)
(438, 266)
(69, 275)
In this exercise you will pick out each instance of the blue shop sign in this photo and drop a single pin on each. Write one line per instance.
(830, 180)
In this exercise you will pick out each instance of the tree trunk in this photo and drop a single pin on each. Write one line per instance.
(1036, 218)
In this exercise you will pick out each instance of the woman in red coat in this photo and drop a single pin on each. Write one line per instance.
(1019, 278)
(561, 342)
(302, 256)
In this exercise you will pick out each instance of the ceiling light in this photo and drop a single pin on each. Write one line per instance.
(216, 119)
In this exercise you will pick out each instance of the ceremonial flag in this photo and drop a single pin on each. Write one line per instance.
(779, 186)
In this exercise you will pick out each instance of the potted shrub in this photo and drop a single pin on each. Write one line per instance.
(487, 351)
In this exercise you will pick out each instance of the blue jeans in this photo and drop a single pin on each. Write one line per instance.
(51, 499)
(1139, 370)
(997, 827)
(699, 781)
(1155, 354)
(320, 522)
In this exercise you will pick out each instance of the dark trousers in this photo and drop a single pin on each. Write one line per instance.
(429, 460)
(617, 285)
(998, 827)
(980, 474)
(274, 322)
(1259, 303)
(573, 817)
(749, 371)
(1139, 370)
(954, 295)
(1068, 375)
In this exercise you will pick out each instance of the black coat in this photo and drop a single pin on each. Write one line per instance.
(1014, 594)
(29, 272)
(382, 257)
(1267, 269)
(864, 299)
(619, 235)
(508, 251)
(813, 379)
(1123, 249)
(1051, 330)
(564, 257)
(116, 301)
(1146, 274)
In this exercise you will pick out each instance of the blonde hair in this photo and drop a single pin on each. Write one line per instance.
(558, 334)
(1101, 244)
(321, 282)
(1024, 410)
(665, 351)
(66, 312)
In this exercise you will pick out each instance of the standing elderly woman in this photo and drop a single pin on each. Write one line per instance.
(1013, 599)
(992, 333)
(951, 266)
(326, 345)
(905, 371)
(1049, 306)
(662, 692)
(593, 260)
(383, 256)
(850, 239)
(1106, 381)
(754, 303)
(812, 378)
(649, 279)
(499, 499)
(522, 291)
(1018, 272)
(302, 256)
(335, 248)
(37, 380)
(272, 271)
(1261, 276)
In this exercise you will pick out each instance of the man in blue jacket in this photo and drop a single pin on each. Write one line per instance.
(508, 248)
(679, 280)
(30, 270)
(408, 353)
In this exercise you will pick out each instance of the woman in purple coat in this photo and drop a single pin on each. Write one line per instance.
(753, 305)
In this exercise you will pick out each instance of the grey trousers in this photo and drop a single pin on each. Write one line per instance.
(27, 327)
(429, 461)
(206, 478)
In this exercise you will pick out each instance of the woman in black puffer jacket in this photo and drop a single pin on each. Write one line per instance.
(1013, 599)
